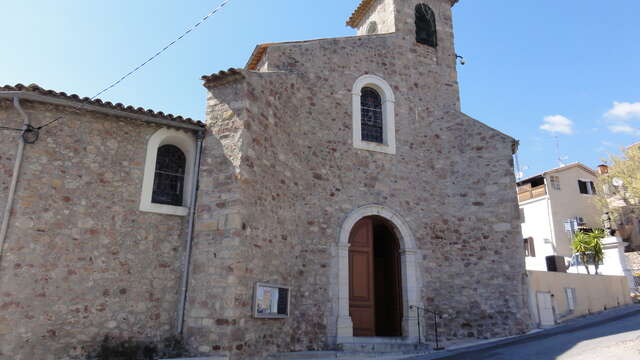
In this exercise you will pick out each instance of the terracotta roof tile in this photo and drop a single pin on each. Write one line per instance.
(223, 77)
(359, 13)
(34, 88)
(362, 9)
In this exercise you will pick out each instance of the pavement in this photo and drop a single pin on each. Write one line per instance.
(613, 334)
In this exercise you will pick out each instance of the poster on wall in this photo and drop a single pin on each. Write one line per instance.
(271, 301)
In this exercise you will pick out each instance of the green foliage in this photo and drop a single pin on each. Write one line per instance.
(588, 246)
(627, 169)
(112, 349)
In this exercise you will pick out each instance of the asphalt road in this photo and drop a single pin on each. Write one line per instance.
(616, 340)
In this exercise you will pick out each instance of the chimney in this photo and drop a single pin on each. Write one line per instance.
(603, 169)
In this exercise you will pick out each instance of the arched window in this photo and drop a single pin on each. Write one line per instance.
(371, 116)
(168, 172)
(426, 25)
(372, 28)
(168, 184)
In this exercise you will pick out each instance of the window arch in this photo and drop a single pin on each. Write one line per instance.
(168, 172)
(372, 28)
(168, 184)
(373, 115)
(426, 32)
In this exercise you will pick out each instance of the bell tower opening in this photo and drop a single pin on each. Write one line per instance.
(375, 287)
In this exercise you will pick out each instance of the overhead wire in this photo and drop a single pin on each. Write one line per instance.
(114, 84)
(137, 68)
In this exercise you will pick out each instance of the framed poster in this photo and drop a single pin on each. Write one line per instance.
(271, 301)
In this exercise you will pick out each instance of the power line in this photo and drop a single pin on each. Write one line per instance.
(218, 8)
(114, 84)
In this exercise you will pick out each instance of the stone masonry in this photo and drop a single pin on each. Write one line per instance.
(279, 177)
(80, 260)
(292, 176)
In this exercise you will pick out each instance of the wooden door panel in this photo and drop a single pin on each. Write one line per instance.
(363, 322)
(361, 285)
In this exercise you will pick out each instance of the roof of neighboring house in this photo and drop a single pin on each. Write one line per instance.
(358, 14)
(559, 169)
(120, 108)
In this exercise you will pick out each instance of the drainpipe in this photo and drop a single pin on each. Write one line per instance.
(14, 179)
(189, 241)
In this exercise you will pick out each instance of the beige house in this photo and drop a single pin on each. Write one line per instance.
(550, 204)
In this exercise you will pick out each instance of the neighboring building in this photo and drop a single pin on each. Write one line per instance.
(550, 204)
(338, 187)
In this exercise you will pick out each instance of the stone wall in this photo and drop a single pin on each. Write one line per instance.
(287, 133)
(81, 261)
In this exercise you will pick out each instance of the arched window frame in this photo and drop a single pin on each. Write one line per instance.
(388, 115)
(187, 143)
(426, 13)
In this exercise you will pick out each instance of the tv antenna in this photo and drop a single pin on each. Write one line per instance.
(561, 159)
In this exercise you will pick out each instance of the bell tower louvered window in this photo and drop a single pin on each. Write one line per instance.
(426, 33)
(168, 185)
(371, 110)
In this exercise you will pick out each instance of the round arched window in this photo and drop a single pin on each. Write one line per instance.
(372, 28)
(168, 184)
(371, 118)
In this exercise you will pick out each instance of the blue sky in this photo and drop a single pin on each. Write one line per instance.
(574, 63)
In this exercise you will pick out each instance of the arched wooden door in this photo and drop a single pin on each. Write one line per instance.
(375, 300)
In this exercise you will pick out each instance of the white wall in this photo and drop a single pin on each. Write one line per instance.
(538, 225)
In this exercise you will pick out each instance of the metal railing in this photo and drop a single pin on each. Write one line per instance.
(435, 325)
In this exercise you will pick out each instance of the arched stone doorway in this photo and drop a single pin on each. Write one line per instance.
(408, 286)
(375, 295)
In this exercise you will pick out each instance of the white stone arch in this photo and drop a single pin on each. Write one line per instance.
(408, 264)
(388, 114)
(186, 142)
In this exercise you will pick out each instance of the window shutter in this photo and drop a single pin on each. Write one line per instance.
(582, 185)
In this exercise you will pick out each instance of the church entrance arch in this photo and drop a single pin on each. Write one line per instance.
(376, 249)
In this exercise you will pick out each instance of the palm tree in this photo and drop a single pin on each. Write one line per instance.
(596, 247)
(589, 248)
(582, 245)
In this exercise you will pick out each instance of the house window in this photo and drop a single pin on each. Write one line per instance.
(168, 185)
(426, 33)
(529, 247)
(571, 298)
(373, 115)
(587, 187)
(168, 172)
(555, 182)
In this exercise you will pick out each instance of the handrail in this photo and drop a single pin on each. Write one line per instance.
(435, 325)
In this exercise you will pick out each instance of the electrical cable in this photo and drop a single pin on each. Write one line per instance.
(218, 8)
(116, 83)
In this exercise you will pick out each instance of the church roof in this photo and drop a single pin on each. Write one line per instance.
(35, 93)
(361, 11)
(222, 77)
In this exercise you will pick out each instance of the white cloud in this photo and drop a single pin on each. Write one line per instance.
(624, 129)
(624, 110)
(557, 124)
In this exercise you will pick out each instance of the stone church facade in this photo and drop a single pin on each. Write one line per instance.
(341, 170)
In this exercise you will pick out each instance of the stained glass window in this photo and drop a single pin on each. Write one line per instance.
(426, 25)
(371, 119)
(168, 184)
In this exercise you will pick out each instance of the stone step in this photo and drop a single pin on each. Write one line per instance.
(344, 355)
(383, 347)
